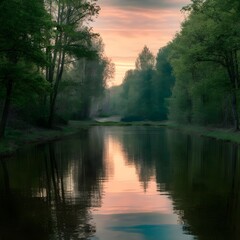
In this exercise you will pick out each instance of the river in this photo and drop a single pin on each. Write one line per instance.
(133, 183)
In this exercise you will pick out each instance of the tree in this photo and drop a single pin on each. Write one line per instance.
(209, 39)
(137, 87)
(214, 37)
(84, 84)
(70, 40)
(145, 60)
(21, 43)
(144, 90)
(163, 83)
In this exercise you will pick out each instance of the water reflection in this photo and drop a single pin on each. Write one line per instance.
(132, 207)
(205, 185)
(47, 192)
(122, 183)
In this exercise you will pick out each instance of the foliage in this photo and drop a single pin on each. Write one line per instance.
(71, 39)
(145, 60)
(42, 42)
(84, 86)
(143, 93)
(205, 56)
(21, 47)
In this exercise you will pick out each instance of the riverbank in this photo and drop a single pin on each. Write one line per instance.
(16, 139)
(216, 133)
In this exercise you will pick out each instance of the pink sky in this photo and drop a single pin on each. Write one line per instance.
(127, 25)
(124, 193)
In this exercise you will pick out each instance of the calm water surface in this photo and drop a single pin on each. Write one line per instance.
(118, 183)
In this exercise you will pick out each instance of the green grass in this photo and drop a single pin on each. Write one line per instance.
(16, 139)
(217, 133)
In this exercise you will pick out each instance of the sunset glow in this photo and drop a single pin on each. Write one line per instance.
(126, 26)
(124, 193)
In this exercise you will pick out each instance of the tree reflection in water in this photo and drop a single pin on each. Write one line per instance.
(50, 191)
(204, 181)
(45, 192)
(200, 175)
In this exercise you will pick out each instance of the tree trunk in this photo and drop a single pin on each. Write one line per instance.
(6, 107)
(53, 97)
(232, 68)
(51, 114)
(85, 112)
(234, 110)
(5, 176)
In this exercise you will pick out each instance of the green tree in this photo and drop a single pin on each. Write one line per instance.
(70, 40)
(163, 83)
(84, 85)
(209, 39)
(144, 90)
(137, 87)
(145, 60)
(21, 44)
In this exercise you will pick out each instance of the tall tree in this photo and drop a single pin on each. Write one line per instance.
(144, 90)
(84, 84)
(71, 39)
(21, 42)
(137, 87)
(145, 60)
(209, 38)
(163, 82)
(214, 37)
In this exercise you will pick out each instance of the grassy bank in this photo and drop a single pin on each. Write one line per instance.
(16, 139)
(216, 133)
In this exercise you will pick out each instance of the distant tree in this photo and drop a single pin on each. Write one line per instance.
(137, 87)
(130, 94)
(116, 106)
(145, 60)
(144, 90)
(97, 72)
(163, 83)
(84, 84)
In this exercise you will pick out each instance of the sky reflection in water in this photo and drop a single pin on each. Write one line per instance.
(132, 209)
(122, 183)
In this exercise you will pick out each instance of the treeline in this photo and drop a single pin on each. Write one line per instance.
(142, 94)
(196, 76)
(51, 63)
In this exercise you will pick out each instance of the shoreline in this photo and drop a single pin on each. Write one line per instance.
(223, 134)
(17, 139)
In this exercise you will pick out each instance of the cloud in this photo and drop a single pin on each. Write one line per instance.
(147, 4)
(125, 32)
(137, 19)
(127, 25)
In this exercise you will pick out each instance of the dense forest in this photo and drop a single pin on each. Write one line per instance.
(52, 65)
(195, 78)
